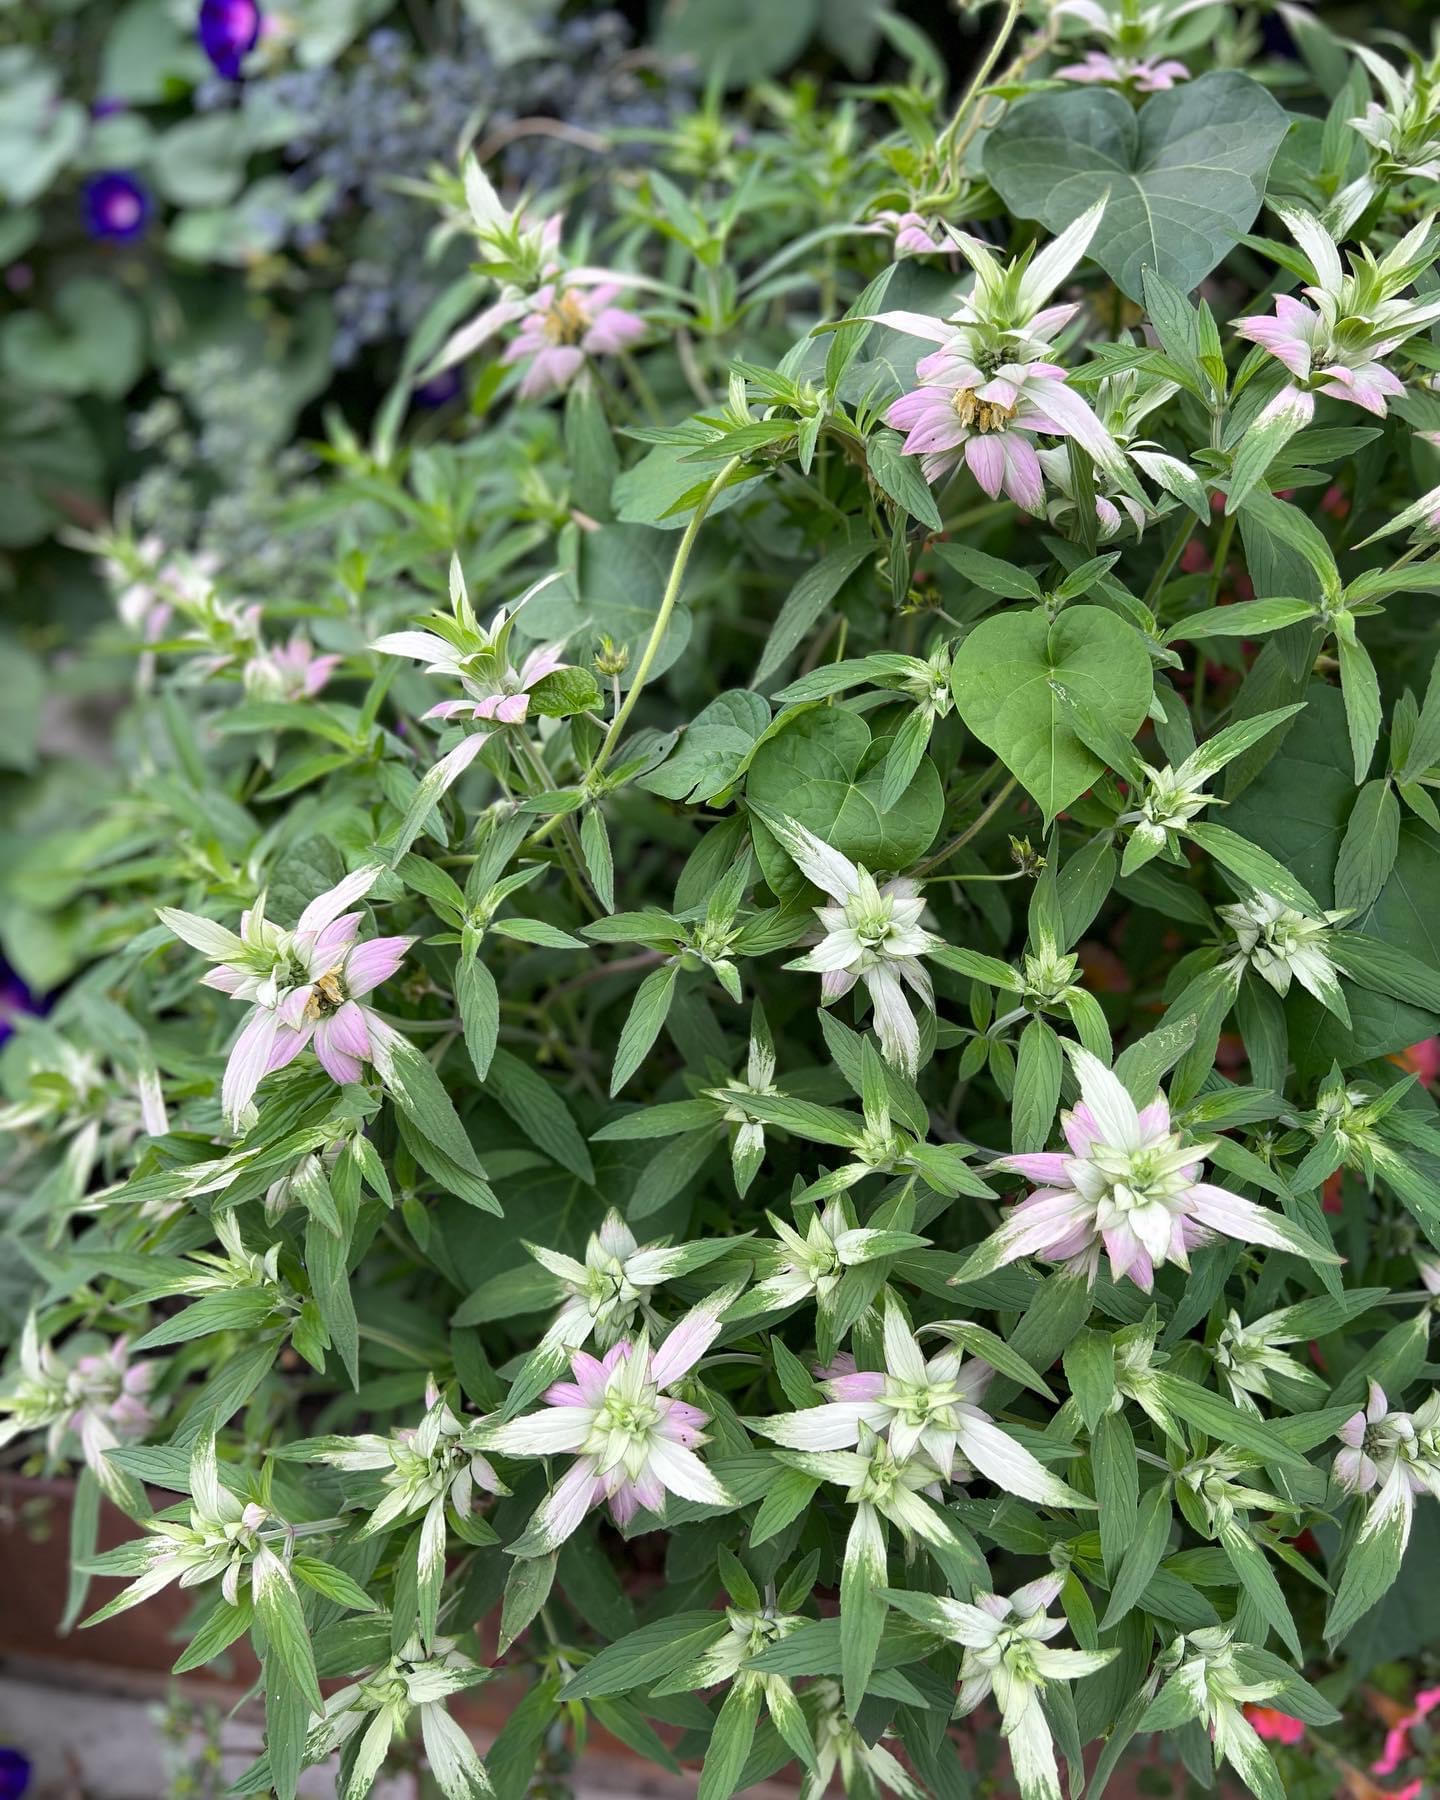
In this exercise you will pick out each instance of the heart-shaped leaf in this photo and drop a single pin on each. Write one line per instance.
(95, 344)
(1012, 677)
(1185, 176)
(826, 770)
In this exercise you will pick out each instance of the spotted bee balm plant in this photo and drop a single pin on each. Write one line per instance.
(755, 1059)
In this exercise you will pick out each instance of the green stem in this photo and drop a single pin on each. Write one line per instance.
(644, 393)
(953, 147)
(971, 830)
(572, 856)
(662, 618)
(1172, 555)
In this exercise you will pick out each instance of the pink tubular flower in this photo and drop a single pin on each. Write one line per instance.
(565, 323)
(1145, 76)
(1277, 1727)
(1294, 334)
(290, 671)
(633, 1443)
(1334, 341)
(1130, 1185)
(304, 985)
(990, 421)
(1397, 1738)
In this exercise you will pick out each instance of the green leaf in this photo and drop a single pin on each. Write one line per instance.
(591, 450)
(1253, 865)
(862, 1605)
(712, 748)
(1371, 1567)
(730, 1743)
(1369, 847)
(526, 1590)
(479, 1001)
(540, 1111)
(599, 860)
(847, 341)
(1258, 1580)
(1117, 1487)
(1227, 1424)
(1183, 179)
(563, 693)
(412, 1083)
(989, 572)
(1360, 686)
(901, 478)
(789, 1495)
(237, 1310)
(287, 1641)
(826, 771)
(1249, 619)
(1090, 1370)
(1037, 1087)
(1012, 674)
(647, 1655)
(642, 1025)
(806, 601)
(333, 1583)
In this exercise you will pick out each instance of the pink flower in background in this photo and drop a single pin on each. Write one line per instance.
(1276, 1727)
(633, 1443)
(1129, 1185)
(914, 236)
(1397, 1738)
(111, 1399)
(1422, 1059)
(564, 324)
(1145, 76)
(290, 671)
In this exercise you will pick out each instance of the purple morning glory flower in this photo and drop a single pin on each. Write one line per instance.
(228, 31)
(14, 1774)
(117, 207)
(15, 1001)
(439, 390)
(105, 108)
